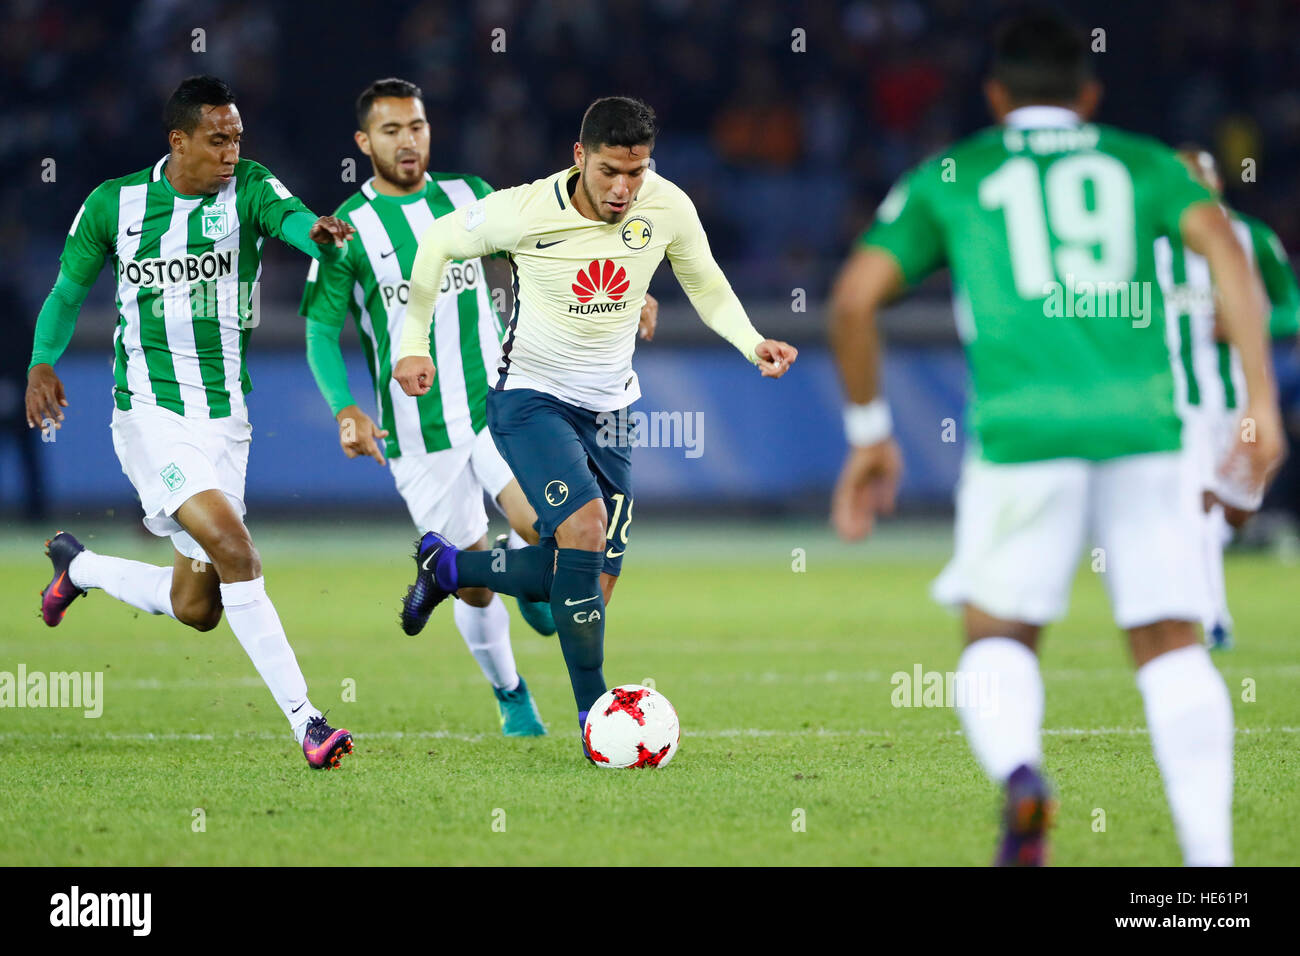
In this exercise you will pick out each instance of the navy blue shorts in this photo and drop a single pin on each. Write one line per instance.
(563, 457)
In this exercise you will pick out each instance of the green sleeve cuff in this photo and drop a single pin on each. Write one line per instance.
(57, 320)
(1284, 321)
(325, 357)
(296, 230)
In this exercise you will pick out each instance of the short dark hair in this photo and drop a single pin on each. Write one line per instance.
(1040, 57)
(392, 86)
(184, 107)
(617, 121)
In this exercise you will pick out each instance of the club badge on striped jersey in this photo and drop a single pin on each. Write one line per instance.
(216, 221)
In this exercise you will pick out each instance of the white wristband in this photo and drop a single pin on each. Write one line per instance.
(868, 424)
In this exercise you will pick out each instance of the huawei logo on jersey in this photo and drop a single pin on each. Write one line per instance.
(609, 278)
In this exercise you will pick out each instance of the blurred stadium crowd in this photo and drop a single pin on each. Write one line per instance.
(786, 143)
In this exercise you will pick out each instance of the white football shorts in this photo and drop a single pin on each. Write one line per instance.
(1021, 528)
(443, 490)
(170, 458)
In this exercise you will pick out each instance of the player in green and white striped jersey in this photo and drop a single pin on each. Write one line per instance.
(1209, 385)
(438, 448)
(185, 238)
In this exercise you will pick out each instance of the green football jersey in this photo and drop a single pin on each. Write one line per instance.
(1203, 366)
(1048, 227)
(372, 283)
(1207, 372)
(186, 271)
(1279, 278)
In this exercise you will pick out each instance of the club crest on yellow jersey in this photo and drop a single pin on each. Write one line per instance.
(636, 233)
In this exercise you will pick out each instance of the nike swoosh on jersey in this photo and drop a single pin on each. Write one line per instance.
(547, 245)
(385, 255)
(568, 603)
(611, 553)
(136, 232)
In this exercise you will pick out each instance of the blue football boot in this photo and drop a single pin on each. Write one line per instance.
(425, 594)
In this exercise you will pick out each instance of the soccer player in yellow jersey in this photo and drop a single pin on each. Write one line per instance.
(583, 245)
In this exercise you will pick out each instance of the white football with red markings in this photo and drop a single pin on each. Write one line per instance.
(632, 726)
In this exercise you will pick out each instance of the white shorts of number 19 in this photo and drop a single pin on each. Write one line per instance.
(170, 459)
(1022, 527)
(443, 490)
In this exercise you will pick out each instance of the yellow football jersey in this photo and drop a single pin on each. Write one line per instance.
(579, 284)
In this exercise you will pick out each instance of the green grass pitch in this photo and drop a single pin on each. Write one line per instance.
(792, 752)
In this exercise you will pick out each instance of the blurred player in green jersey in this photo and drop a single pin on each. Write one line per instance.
(1048, 224)
(1210, 388)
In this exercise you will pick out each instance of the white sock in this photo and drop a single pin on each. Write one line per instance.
(1003, 718)
(515, 541)
(253, 619)
(146, 586)
(487, 634)
(1189, 715)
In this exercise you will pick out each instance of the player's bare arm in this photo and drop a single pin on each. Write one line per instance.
(359, 435)
(1243, 314)
(868, 482)
(45, 398)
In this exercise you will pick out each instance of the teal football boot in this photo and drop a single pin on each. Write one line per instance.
(519, 716)
(538, 615)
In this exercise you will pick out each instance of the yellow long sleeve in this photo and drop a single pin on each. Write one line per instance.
(426, 279)
(707, 287)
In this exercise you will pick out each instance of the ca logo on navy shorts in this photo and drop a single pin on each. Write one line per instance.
(557, 493)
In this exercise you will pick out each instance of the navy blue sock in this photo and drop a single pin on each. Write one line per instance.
(579, 610)
(522, 572)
